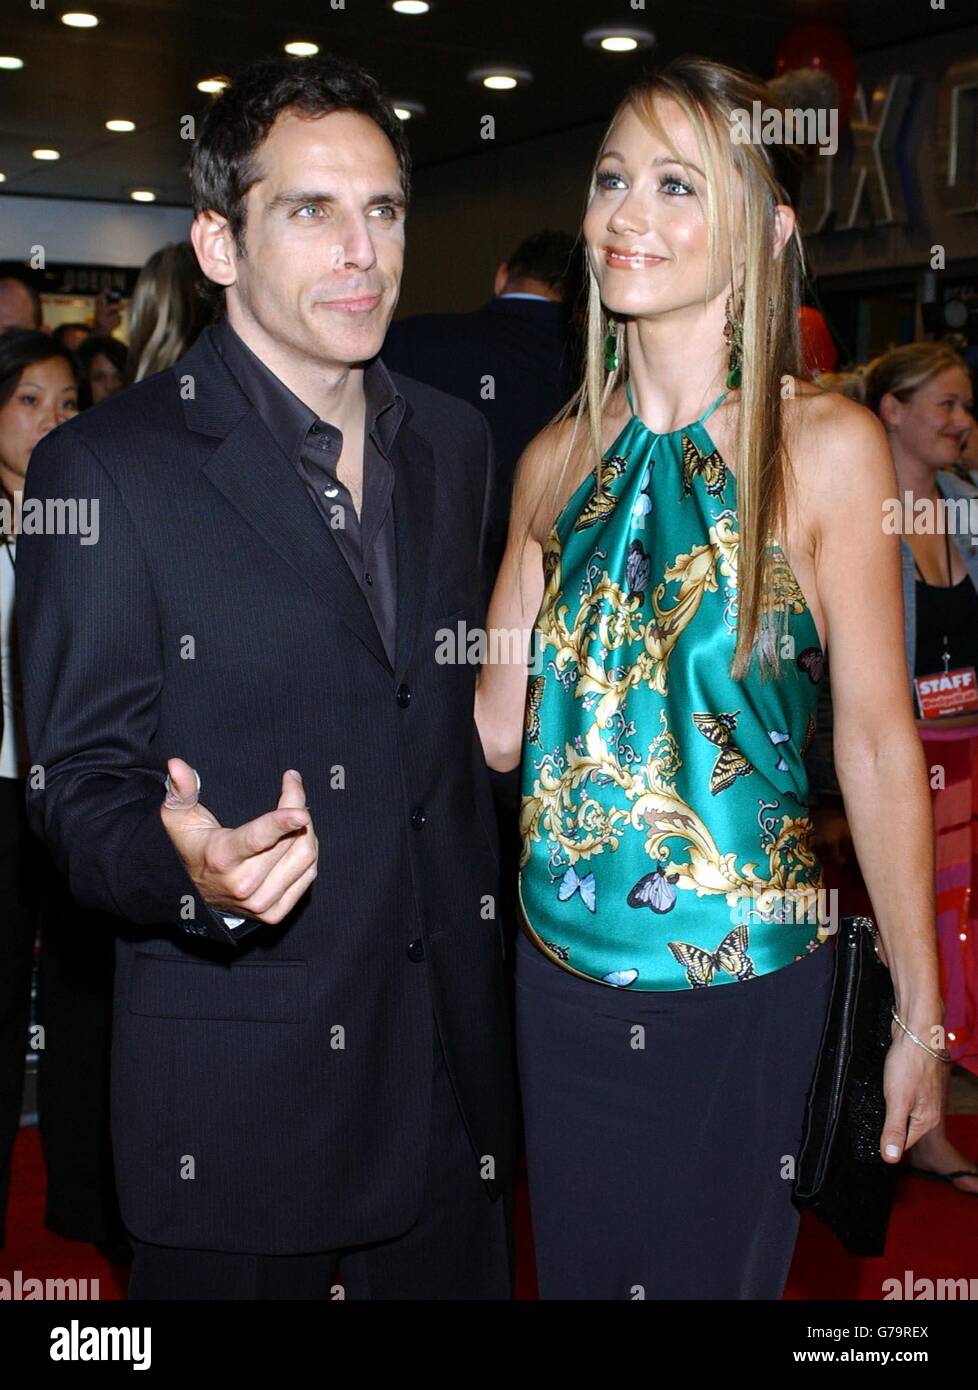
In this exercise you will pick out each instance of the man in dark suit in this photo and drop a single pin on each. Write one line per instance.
(312, 1073)
(512, 359)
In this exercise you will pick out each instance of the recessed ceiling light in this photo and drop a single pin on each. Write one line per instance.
(79, 19)
(410, 6)
(120, 125)
(301, 49)
(3, 178)
(142, 195)
(11, 63)
(619, 39)
(500, 79)
(404, 110)
(213, 84)
(46, 154)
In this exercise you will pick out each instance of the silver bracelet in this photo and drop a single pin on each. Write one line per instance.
(942, 1056)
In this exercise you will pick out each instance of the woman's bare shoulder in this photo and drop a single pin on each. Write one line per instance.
(837, 447)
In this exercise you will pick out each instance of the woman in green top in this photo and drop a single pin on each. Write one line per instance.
(687, 533)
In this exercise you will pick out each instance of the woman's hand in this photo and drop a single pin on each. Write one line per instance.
(913, 1086)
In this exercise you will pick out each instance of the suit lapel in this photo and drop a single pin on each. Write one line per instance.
(257, 480)
(253, 474)
(414, 501)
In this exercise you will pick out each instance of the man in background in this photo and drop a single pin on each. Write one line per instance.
(20, 304)
(511, 359)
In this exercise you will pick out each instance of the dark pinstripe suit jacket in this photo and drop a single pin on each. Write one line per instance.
(271, 1093)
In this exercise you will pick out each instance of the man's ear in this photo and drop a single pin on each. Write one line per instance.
(784, 226)
(214, 246)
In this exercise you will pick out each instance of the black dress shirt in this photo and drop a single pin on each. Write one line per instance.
(313, 447)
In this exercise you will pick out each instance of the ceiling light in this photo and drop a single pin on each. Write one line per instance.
(404, 110)
(410, 6)
(301, 49)
(120, 125)
(500, 79)
(46, 154)
(142, 195)
(213, 84)
(79, 19)
(619, 39)
(11, 63)
(3, 178)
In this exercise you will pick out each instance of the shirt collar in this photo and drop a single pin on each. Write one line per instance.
(289, 418)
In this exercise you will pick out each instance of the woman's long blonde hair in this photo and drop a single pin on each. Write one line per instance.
(168, 310)
(768, 302)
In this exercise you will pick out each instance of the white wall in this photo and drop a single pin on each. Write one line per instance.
(88, 233)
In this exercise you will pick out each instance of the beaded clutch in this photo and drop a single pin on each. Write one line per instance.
(841, 1175)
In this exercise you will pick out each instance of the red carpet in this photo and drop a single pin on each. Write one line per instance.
(933, 1233)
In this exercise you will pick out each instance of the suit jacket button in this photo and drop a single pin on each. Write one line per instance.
(403, 695)
(418, 818)
(416, 950)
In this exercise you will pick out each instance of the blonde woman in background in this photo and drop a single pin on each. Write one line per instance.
(168, 310)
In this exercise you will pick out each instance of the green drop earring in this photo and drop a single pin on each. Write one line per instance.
(733, 332)
(611, 359)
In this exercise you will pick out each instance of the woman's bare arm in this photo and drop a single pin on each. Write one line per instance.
(879, 759)
(500, 698)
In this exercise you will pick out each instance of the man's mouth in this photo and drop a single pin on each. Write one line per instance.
(353, 304)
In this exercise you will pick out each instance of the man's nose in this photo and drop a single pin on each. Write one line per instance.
(354, 245)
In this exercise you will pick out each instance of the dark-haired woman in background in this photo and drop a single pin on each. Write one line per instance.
(38, 392)
(102, 361)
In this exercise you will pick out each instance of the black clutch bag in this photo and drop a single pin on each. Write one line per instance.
(841, 1175)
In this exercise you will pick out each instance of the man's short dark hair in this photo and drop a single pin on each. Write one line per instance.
(224, 164)
(543, 256)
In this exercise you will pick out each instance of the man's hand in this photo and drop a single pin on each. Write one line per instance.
(260, 869)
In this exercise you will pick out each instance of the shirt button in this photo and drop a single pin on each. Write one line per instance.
(368, 577)
(416, 950)
(418, 818)
(403, 695)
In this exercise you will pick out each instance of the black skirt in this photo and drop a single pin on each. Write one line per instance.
(662, 1129)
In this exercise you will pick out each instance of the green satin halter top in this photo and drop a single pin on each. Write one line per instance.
(664, 817)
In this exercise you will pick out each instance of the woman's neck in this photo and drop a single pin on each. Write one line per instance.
(914, 474)
(672, 378)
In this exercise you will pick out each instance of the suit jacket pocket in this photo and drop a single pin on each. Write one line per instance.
(276, 992)
(459, 594)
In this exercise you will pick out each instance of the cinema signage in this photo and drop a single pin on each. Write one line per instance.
(872, 193)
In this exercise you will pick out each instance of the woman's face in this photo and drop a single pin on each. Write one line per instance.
(45, 396)
(933, 424)
(103, 377)
(646, 225)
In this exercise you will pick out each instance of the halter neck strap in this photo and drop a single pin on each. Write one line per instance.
(702, 419)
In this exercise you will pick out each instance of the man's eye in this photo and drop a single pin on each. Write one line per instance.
(389, 209)
(313, 207)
